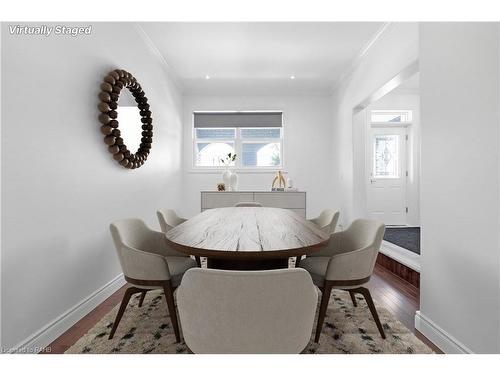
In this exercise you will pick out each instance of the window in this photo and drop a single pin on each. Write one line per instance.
(386, 156)
(256, 137)
(391, 116)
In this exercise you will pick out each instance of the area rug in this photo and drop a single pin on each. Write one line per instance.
(347, 329)
(405, 237)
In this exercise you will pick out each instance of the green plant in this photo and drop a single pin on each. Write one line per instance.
(228, 159)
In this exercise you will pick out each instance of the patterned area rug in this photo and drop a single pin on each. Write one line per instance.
(347, 329)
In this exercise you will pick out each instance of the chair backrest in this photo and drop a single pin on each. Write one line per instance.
(130, 232)
(327, 220)
(134, 243)
(248, 204)
(168, 219)
(247, 311)
(362, 233)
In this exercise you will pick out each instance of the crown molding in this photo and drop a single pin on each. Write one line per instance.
(360, 56)
(154, 49)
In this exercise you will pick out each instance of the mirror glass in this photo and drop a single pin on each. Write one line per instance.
(129, 120)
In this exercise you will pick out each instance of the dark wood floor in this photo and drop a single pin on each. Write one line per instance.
(398, 296)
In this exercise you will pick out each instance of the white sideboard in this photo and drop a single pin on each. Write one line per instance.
(291, 200)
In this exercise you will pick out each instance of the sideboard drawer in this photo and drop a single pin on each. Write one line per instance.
(226, 199)
(281, 200)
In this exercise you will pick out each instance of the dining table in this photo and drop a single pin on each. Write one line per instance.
(247, 238)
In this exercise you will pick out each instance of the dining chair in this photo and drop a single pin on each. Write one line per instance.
(168, 219)
(347, 263)
(327, 220)
(248, 204)
(148, 263)
(247, 311)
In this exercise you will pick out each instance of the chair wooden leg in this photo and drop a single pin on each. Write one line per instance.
(169, 296)
(198, 261)
(143, 295)
(368, 297)
(353, 298)
(325, 298)
(126, 298)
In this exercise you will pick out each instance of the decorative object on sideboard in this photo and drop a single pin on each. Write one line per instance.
(278, 180)
(233, 182)
(289, 185)
(113, 83)
(230, 182)
(221, 186)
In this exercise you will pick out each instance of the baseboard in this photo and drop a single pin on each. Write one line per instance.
(47, 334)
(439, 337)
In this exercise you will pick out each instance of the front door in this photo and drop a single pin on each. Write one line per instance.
(386, 180)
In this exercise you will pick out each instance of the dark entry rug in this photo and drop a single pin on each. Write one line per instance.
(407, 237)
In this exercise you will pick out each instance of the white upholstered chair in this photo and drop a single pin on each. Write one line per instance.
(168, 219)
(248, 204)
(147, 263)
(347, 263)
(327, 220)
(247, 311)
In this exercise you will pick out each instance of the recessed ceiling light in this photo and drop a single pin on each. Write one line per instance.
(292, 77)
(207, 77)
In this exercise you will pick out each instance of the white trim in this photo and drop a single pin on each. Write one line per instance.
(401, 255)
(51, 331)
(218, 170)
(359, 57)
(388, 124)
(439, 337)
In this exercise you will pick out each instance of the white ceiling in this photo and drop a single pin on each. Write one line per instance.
(259, 58)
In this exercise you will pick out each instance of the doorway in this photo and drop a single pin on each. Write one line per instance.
(386, 164)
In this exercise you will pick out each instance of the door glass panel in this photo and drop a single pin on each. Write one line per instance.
(386, 156)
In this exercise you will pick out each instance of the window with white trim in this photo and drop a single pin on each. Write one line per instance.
(256, 138)
(392, 116)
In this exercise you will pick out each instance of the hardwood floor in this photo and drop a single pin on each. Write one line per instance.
(398, 296)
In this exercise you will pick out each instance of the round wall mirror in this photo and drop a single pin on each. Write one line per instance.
(125, 115)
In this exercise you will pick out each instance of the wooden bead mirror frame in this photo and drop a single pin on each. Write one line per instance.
(113, 83)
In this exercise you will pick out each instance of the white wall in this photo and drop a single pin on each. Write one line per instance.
(307, 148)
(397, 101)
(459, 76)
(60, 186)
(394, 50)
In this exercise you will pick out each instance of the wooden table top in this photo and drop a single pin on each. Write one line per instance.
(248, 232)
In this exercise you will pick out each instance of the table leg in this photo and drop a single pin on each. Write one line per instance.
(247, 265)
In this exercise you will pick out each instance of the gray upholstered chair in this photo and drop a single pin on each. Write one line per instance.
(347, 263)
(247, 311)
(168, 219)
(248, 204)
(147, 263)
(327, 220)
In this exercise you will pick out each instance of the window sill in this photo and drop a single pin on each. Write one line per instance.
(239, 171)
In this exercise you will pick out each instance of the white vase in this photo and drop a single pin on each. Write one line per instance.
(226, 178)
(233, 182)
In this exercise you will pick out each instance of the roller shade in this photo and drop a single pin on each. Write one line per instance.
(238, 119)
